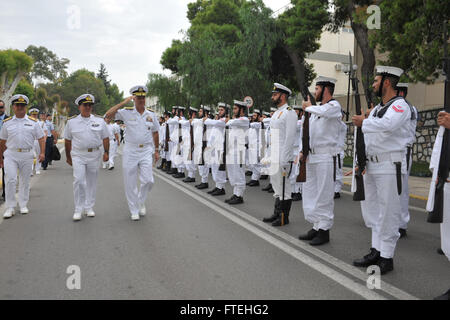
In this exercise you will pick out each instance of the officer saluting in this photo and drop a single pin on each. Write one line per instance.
(141, 142)
(84, 135)
(385, 131)
(17, 136)
(283, 125)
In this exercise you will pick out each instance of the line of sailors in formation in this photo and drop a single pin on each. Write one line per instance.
(389, 131)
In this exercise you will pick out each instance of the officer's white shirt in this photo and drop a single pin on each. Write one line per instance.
(324, 128)
(85, 133)
(140, 127)
(43, 126)
(186, 131)
(217, 128)
(111, 132)
(20, 133)
(298, 134)
(284, 123)
(387, 134)
(173, 128)
(238, 129)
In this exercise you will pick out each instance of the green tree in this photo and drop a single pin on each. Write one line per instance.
(167, 89)
(47, 65)
(26, 88)
(169, 58)
(411, 34)
(14, 65)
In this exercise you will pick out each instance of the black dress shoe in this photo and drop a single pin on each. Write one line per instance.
(271, 190)
(337, 195)
(267, 188)
(248, 173)
(369, 259)
(202, 186)
(212, 191)
(402, 232)
(264, 177)
(309, 235)
(322, 237)
(296, 196)
(439, 251)
(218, 192)
(236, 200)
(276, 212)
(179, 175)
(385, 265)
(445, 296)
(283, 218)
(189, 179)
(253, 183)
(229, 199)
(112, 168)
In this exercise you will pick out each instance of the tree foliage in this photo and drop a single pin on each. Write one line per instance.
(412, 34)
(167, 89)
(47, 65)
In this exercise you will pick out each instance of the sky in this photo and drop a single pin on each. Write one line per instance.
(127, 36)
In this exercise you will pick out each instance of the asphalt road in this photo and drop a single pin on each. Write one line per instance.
(194, 246)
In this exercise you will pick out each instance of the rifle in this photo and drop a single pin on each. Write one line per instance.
(166, 142)
(305, 136)
(436, 216)
(222, 166)
(202, 159)
(361, 159)
(180, 139)
(192, 141)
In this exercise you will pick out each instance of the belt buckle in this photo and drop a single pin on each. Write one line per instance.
(141, 146)
(19, 150)
(89, 149)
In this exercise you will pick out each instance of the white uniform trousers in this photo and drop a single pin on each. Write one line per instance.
(219, 177)
(296, 187)
(136, 159)
(190, 168)
(339, 176)
(381, 211)
(236, 175)
(13, 162)
(277, 184)
(445, 225)
(318, 195)
(256, 171)
(85, 171)
(203, 171)
(404, 199)
(36, 150)
(112, 152)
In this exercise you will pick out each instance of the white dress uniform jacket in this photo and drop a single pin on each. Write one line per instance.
(20, 134)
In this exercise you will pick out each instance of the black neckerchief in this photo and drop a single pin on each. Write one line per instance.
(380, 112)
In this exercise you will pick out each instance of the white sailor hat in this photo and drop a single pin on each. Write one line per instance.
(181, 108)
(327, 81)
(222, 105)
(267, 114)
(240, 104)
(33, 110)
(391, 71)
(272, 109)
(206, 108)
(192, 109)
(139, 91)
(257, 111)
(250, 115)
(85, 98)
(20, 99)
(175, 107)
(297, 107)
(277, 87)
(402, 85)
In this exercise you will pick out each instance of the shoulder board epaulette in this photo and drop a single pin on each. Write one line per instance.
(33, 119)
(150, 110)
(72, 117)
(289, 108)
(7, 119)
(129, 108)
